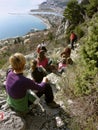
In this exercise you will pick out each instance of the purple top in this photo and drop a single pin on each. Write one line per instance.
(17, 85)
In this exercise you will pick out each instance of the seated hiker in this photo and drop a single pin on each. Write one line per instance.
(17, 86)
(37, 73)
(62, 65)
(67, 53)
(43, 61)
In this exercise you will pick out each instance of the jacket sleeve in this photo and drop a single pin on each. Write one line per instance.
(31, 84)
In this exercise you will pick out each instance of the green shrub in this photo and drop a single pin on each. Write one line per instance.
(79, 32)
(91, 8)
(89, 61)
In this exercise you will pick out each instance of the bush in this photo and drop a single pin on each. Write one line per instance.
(79, 32)
(91, 8)
(89, 61)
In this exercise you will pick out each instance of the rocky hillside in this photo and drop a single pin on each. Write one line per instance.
(78, 99)
(41, 117)
(54, 5)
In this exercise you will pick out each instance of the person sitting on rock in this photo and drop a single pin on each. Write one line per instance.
(45, 62)
(37, 73)
(17, 86)
(62, 65)
(42, 60)
(67, 53)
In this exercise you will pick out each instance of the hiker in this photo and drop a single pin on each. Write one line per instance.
(66, 54)
(17, 86)
(37, 73)
(73, 38)
(41, 46)
(42, 60)
(62, 65)
(45, 62)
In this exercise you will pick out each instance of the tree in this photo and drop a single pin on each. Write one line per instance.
(91, 8)
(86, 80)
(73, 12)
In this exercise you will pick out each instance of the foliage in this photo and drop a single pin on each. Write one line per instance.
(73, 12)
(2, 62)
(91, 8)
(79, 31)
(51, 36)
(89, 60)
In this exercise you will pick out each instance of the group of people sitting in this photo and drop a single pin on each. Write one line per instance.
(46, 63)
(65, 60)
(17, 85)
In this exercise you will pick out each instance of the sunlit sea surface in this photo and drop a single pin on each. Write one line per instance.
(15, 19)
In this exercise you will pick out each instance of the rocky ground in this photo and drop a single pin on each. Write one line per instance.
(72, 112)
(42, 117)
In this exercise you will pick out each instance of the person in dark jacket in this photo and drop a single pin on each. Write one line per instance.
(37, 72)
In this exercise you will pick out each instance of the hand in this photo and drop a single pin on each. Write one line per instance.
(45, 79)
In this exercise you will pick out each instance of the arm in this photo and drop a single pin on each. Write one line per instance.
(31, 84)
(43, 70)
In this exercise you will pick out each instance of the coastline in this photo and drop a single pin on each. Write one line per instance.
(49, 20)
(46, 21)
(47, 12)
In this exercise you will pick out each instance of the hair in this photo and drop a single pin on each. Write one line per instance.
(67, 51)
(69, 61)
(17, 61)
(43, 48)
(33, 63)
(64, 60)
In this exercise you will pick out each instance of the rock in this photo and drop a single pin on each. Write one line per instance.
(40, 119)
(11, 121)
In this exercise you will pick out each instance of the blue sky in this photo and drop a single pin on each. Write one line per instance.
(18, 5)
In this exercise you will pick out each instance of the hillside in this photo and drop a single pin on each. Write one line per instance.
(54, 5)
(76, 90)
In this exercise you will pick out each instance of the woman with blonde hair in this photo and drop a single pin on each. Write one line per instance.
(17, 86)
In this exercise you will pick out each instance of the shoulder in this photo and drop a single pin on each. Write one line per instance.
(8, 71)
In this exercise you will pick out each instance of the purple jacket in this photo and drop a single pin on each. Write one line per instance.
(17, 85)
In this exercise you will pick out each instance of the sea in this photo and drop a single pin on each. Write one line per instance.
(15, 18)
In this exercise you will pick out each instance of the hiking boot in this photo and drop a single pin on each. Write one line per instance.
(53, 105)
